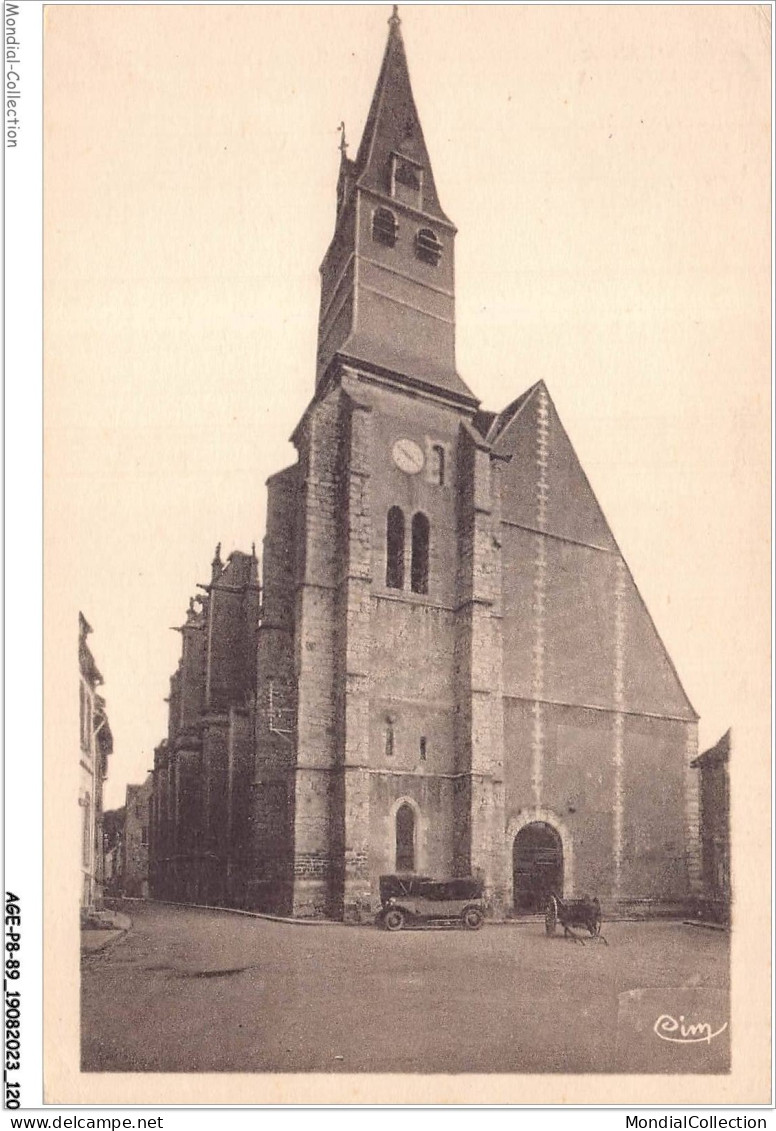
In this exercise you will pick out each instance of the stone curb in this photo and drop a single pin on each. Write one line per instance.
(114, 936)
(527, 922)
(255, 914)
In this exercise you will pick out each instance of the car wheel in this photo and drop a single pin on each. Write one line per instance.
(393, 919)
(472, 918)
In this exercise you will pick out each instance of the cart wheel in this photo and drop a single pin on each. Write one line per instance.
(551, 916)
(472, 918)
(393, 919)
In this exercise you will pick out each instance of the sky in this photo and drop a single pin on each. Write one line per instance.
(608, 169)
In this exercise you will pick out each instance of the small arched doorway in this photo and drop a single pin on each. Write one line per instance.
(537, 866)
(405, 839)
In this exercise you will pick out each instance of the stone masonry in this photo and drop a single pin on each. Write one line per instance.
(449, 669)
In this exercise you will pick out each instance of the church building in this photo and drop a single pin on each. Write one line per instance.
(454, 673)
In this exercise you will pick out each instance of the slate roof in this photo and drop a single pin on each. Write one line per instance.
(419, 371)
(393, 125)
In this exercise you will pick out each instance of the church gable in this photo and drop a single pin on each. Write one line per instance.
(544, 485)
(651, 685)
(599, 646)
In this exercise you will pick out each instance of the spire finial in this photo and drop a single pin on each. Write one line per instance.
(343, 145)
(394, 20)
(217, 565)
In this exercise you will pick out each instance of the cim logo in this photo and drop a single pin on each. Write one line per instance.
(672, 1029)
(682, 1032)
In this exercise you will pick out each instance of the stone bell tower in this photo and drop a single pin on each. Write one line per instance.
(376, 618)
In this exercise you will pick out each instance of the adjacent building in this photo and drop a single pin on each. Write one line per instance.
(112, 840)
(712, 767)
(135, 840)
(450, 669)
(96, 746)
(203, 770)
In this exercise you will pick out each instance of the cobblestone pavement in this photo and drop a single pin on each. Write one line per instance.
(194, 991)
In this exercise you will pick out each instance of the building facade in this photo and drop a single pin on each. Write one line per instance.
(134, 840)
(113, 821)
(712, 767)
(199, 847)
(454, 672)
(95, 747)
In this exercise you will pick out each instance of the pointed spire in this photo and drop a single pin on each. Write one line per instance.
(393, 127)
(343, 145)
(392, 176)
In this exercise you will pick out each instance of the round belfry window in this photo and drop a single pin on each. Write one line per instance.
(427, 246)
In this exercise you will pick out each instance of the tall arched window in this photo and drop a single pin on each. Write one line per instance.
(394, 558)
(420, 538)
(405, 839)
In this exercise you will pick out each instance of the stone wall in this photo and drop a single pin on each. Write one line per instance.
(315, 642)
(269, 886)
(599, 732)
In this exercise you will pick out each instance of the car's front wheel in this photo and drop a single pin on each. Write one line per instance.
(393, 919)
(472, 918)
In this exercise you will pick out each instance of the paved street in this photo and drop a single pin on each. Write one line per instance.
(190, 991)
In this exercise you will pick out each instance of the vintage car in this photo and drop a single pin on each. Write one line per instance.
(410, 900)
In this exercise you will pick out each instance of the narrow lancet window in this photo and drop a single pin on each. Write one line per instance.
(389, 737)
(394, 564)
(436, 465)
(420, 540)
(405, 839)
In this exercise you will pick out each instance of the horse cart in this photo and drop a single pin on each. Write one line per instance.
(571, 913)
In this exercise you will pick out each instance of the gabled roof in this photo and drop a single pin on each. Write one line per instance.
(483, 420)
(531, 431)
(506, 416)
(89, 669)
(393, 126)
(715, 755)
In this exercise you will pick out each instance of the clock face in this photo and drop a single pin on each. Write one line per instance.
(408, 456)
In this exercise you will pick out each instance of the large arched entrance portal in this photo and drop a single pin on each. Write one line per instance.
(537, 866)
